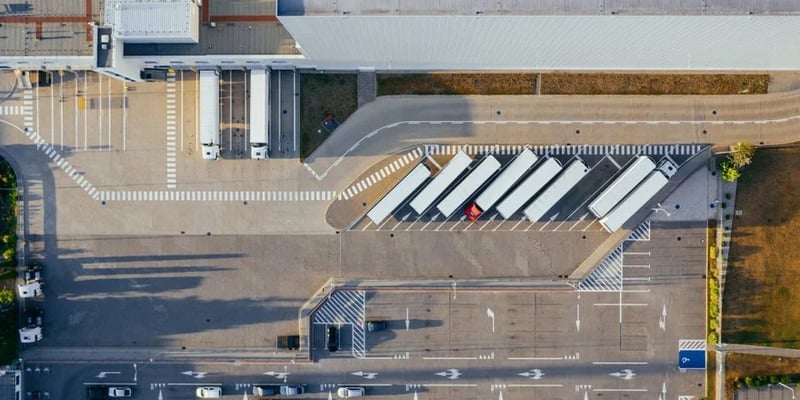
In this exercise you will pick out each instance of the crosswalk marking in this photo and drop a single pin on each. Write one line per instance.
(345, 307)
(607, 276)
(641, 233)
(172, 178)
(377, 176)
(11, 110)
(203, 196)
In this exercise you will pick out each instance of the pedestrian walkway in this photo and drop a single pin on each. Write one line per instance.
(378, 175)
(11, 110)
(211, 195)
(367, 87)
(172, 151)
(678, 149)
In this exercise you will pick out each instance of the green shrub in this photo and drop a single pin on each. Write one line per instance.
(748, 381)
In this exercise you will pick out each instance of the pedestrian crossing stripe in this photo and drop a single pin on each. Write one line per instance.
(216, 196)
(376, 177)
(678, 149)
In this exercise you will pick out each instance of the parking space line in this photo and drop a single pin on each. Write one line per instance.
(542, 385)
(619, 362)
(620, 304)
(637, 266)
(449, 358)
(535, 358)
(637, 253)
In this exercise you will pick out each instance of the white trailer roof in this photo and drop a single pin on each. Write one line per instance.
(529, 187)
(620, 187)
(395, 197)
(443, 179)
(468, 186)
(574, 172)
(506, 179)
(209, 107)
(634, 202)
(259, 87)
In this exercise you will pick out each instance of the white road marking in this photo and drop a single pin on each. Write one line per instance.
(621, 304)
(535, 358)
(619, 362)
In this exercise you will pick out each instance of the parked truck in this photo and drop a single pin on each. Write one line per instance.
(209, 113)
(31, 285)
(259, 114)
(639, 197)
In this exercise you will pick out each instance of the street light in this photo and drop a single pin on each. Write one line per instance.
(787, 387)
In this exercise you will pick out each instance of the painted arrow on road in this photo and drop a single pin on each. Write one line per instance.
(533, 374)
(196, 375)
(366, 375)
(451, 373)
(106, 373)
(277, 375)
(626, 374)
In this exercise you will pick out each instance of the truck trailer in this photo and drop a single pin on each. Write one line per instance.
(529, 187)
(461, 193)
(209, 113)
(567, 180)
(259, 114)
(440, 182)
(510, 175)
(637, 199)
(620, 187)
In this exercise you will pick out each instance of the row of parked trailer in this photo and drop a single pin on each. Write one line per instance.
(548, 183)
(259, 114)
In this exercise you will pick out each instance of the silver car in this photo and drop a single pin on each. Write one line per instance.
(208, 392)
(351, 391)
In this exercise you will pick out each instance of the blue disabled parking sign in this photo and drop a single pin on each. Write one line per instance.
(692, 359)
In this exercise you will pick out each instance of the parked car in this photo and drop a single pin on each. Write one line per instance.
(33, 317)
(291, 390)
(333, 338)
(351, 391)
(266, 390)
(208, 392)
(117, 392)
(374, 326)
(33, 273)
(96, 393)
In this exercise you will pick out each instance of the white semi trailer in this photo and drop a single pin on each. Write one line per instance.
(638, 198)
(617, 190)
(209, 113)
(259, 114)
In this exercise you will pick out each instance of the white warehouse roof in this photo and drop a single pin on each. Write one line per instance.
(549, 42)
(154, 21)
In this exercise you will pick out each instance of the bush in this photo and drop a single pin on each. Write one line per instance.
(712, 338)
(729, 172)
(742, 155)
(727, 196)
(748, 381)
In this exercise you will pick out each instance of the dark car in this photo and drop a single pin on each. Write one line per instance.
(374, 326)
(33, 273)
(96, 393)
(266, 390)
(333, 338)
(33, 317)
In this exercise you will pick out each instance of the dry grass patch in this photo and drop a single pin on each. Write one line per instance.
(654, 84)
(739, 366)
(456, 84)
(761, 296)
(324, 94)
(570, 83)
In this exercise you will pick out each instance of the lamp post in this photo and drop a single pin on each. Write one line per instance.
(787, 387)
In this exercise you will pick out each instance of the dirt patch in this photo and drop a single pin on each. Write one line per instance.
(654, 84)
(738, 366)
(570, 83)
(764, 271)
(323, 95)
(456, 84)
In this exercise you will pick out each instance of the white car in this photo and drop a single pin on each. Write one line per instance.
(351, 391)
(119, 392)
(208, 392)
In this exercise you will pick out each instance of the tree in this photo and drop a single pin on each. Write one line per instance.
(6, 299)
(742, 155)
(729, 172)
